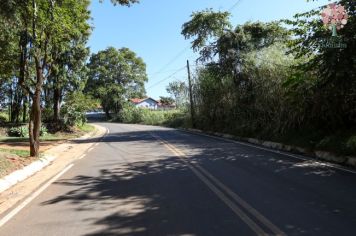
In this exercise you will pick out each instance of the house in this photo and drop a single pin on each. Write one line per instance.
(148, 103)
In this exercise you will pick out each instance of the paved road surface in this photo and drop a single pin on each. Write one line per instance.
(143, 180)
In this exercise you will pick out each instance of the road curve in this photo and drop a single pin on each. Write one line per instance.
(145, 180)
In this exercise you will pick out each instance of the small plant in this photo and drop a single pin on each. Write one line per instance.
(351, 144)
(3, 118)
(43, 131)
(73, 111)
(21, 131)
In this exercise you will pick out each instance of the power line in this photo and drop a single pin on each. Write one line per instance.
(168, 77)
(162, 72)
(173, 60)
(235, 5)
(179, 55)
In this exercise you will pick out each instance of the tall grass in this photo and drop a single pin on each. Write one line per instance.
(133, 115)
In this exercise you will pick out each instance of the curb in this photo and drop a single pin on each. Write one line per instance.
(20, 175)
(320, 155)
(31, 169)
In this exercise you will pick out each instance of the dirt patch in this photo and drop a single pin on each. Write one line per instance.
(10, 163)
(25, 145)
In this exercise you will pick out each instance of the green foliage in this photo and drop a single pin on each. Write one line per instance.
(205, 25)
(86, 128)
(22, 131)
(114, 76)
(73, 111)
(134, 115)
(333, 89)
(122, 2)
(179, 90)
(166, 101)
(351, 144)
(3, 117)
(267, 81)
(130, 114)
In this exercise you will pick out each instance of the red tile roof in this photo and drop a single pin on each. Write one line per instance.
(139, 100)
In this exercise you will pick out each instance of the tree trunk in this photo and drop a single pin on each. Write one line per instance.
(56, 104)
(15, 116)
(11, 106)
(24, 109)
(107, 113)
(35, 118)
(35, 124)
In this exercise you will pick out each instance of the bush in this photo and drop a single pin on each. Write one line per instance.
(73, 111)
(3, 118)
(351, 144)
(22, 131)
(130, 114)
(43, 131)
(133, 115)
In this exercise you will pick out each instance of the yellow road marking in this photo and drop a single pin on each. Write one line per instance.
(257, 229)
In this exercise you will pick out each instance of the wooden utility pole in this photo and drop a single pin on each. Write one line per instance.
(192, 113)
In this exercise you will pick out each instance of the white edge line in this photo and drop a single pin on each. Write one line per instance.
(274, 151)
(10, 215)
(81, 157)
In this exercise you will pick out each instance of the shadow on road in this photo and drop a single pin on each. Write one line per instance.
(163, 197)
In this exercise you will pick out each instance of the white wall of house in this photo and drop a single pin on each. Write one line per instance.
(149, 104)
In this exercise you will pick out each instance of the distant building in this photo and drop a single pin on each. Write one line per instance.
(148, 103)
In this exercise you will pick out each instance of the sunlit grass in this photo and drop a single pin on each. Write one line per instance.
(20, 153)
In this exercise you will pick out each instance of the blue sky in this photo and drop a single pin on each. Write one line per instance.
(152, 30)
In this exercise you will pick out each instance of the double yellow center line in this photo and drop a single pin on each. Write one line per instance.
(240, 207)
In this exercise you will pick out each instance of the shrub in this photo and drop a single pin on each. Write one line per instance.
(73, 111)
(351, 144)
(133, 115)
(22, 131)
(3, 118)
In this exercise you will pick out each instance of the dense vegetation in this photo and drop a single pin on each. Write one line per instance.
(286, 81)
(43, 58)
(277, 80)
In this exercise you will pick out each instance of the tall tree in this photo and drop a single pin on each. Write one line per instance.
(179, 90)
(42, 27)
(115, 76)
(205, 27)
(43, 24)
(333, 67)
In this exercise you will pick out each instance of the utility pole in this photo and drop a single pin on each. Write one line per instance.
(192, 113)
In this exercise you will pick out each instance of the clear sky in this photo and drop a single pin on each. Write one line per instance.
(152, 30)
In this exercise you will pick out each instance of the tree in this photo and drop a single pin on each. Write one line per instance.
(334, 69)
(166, 101)
(123, 2)
(204, 26)
(76, 104)
(40, 30)
(41, 25)
(53, 23)
(68, 75)
(179, 91)
(115, 76)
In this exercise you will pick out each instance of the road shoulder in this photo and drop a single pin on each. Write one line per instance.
(54, 161)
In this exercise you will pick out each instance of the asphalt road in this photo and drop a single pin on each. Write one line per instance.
(143, 180)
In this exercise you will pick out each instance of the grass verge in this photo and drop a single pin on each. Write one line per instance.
(16, 157)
